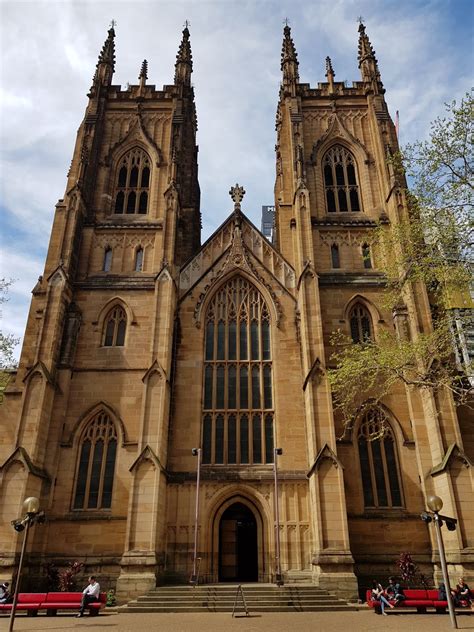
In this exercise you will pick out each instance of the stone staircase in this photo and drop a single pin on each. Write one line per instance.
(221, 598)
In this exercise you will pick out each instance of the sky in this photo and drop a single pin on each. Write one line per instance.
(48, 53)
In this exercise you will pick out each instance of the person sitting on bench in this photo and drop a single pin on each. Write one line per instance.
(394, 591)
(90, 594)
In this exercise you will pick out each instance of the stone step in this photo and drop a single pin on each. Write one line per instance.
(230, 602)
(221, 598)
(254, 608)
(247, 591)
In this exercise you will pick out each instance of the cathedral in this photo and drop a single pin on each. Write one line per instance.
(171, 409)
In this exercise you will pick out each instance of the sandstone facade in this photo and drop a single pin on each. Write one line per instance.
(141, 345)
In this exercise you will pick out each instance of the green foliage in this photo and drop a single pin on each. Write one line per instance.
(4, 379)
(7, 341)
(111, 598)
(430, 244)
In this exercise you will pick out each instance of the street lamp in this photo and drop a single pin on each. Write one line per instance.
(32, 515)
(194, 577)
(279, 578)
(435, 504)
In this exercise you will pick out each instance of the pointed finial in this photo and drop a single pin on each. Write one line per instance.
(330, 74)
(237, 193)
(184, 60)
(367, 59)
(289, 58)
(144, 70)
(329, 68)
(105, 65)
(107, 54)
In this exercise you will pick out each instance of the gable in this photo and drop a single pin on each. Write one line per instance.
(237, 244)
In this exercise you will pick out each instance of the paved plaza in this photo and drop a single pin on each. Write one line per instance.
(362, 621)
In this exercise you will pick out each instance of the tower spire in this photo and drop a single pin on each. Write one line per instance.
(289, 60)
(367, 60)
(106, 63)
(184, 60)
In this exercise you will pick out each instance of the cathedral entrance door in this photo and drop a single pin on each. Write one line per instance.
(238, 550)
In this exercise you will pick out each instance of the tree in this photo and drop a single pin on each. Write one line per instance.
(8, 342)
(431, 244)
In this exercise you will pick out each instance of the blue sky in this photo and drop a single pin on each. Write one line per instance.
(48, 56)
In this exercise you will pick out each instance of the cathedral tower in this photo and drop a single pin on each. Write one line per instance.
(143, 348)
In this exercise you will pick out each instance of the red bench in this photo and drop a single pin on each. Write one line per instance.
(70, 601)
(416, 598)
(26, 601)
(52, 602)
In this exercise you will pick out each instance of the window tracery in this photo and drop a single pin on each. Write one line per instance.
(238, 398)
(133, 183)
(360, 324)
(115, 326)
(340, 181)
(96, 464)
(379, 462)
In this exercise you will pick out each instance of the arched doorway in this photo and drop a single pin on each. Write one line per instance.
(238, 549)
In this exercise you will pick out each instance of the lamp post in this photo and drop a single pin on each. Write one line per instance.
(32, 515)
(194, 577)
(279, 578)
(435, 504)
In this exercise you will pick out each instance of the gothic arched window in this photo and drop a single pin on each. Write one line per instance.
(132, 183)
(361, 324)
(238, 397)
(96, 466)
(340, 181)
(115, 326)
(378, 461)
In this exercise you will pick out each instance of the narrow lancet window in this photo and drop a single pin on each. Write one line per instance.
(107, 263)
(335, 260)
(366, 257)
(139, 260)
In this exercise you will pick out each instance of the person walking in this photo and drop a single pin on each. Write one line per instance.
(90, 594)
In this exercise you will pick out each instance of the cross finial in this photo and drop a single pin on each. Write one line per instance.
(237, 193)
(360, 19)
(286, 22)
(113, 24)
(186, 24)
